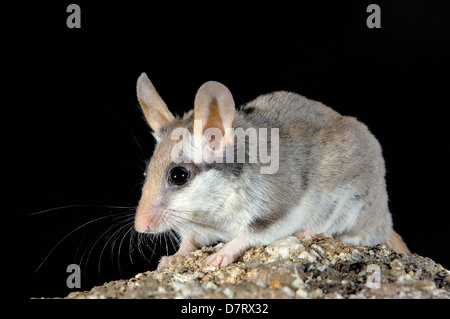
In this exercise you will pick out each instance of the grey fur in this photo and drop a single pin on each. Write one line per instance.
(330, 179)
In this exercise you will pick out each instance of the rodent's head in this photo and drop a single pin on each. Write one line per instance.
(183, 191)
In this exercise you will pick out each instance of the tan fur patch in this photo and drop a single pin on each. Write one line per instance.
(396, 243)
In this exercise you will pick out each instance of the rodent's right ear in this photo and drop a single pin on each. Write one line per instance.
(155, 110)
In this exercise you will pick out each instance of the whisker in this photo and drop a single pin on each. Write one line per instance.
(70, 233)
(174, 239)
(150, 245)
(196, 222)
(109, 239)
(130, 245)
(169, 239)
(165, 241)
(141, 240)
(78, 206)
(186, 211)
(126, 223)
(130, 228)
(104, 233)
(182, 225)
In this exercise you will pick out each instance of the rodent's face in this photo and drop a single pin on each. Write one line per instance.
(178, 193)
(184, 196)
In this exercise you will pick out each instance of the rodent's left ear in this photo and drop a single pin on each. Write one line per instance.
(213, 109)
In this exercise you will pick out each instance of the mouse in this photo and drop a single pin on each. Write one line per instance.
(210, 177)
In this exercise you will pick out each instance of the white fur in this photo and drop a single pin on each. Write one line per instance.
(305, 215)
(203, 196)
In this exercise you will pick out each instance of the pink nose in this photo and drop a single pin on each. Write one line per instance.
(146, 219)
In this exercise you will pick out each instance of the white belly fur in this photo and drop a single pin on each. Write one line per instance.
(312, 213)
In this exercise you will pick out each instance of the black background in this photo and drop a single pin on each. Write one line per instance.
(80, 138)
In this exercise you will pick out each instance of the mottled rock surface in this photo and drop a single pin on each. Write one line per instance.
(289, 268)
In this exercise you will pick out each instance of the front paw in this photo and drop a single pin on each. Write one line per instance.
(164, 262)
(218, 259)
(229, 253)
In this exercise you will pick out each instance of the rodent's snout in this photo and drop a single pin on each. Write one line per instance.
(147, 219)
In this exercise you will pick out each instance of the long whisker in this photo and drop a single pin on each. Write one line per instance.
(70, 233)
(131, 227)
(126, 224)
(127, 227)
(150, 245)
(78, 206)
(183, 226)
(130, 244)
(196, 222)
(171, 235)
(141, 241)
(104, 233)
(186, 211)
(108, 240)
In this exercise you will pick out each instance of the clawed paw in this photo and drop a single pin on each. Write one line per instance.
(165, 260)
(303, 233)
(219, 260)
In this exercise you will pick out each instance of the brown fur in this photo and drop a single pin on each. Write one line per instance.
(396, 243)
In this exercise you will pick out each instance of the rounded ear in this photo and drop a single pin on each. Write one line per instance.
(155, 110)
(213, 109)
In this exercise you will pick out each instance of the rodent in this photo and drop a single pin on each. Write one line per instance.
(330, 177)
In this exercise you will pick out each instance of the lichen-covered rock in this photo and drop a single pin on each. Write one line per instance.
(289, 268)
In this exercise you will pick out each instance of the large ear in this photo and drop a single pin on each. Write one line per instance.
(155, 110)
(214, 110)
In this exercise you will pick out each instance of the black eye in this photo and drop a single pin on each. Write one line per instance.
(179, 175)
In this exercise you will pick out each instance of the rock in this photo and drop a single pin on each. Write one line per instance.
(289, 268)
(283, 248)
